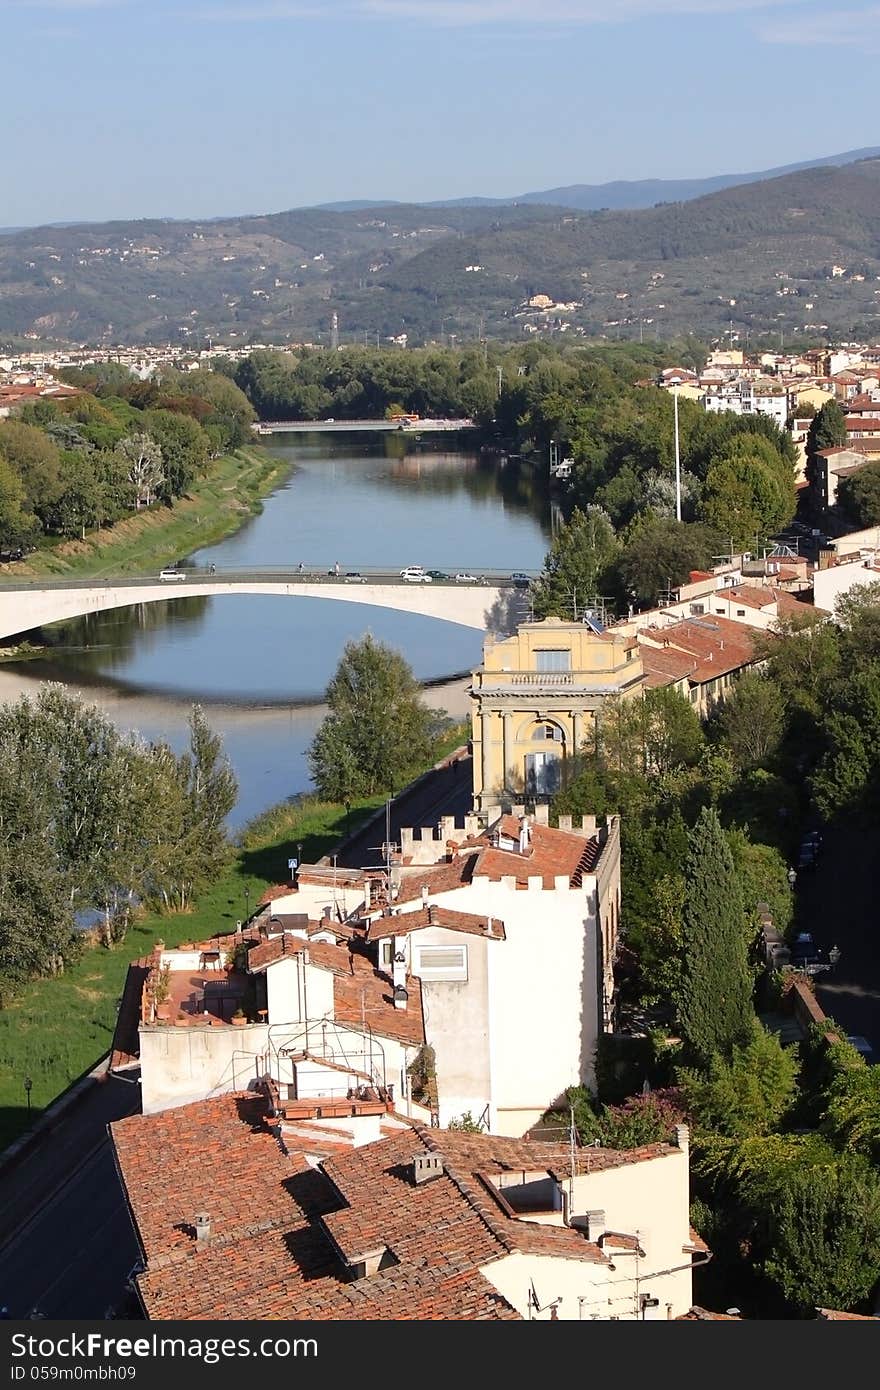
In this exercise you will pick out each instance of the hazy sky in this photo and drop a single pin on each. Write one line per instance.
(135, 108)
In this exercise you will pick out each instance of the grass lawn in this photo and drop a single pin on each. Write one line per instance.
(215, 506)
(57, 1029)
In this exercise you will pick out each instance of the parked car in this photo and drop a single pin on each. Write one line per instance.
(415, 574)
(170, 574)
(807, 956)
(462, 578)
(863, 1047)
(521, 581)
(439, 574)
(353, 577)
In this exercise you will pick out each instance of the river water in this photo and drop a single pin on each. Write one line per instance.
(259, 665)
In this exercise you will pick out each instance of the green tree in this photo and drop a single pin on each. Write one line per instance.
(377, 731)
(576, 565)
(659, 554)
(17, 525)
(744, 500)
(747, 1094)
(826, 1247)
(852, 1101)
(142, 457)
(184, 447)
(34, 458)
(827, 431)
(847, 780)
(657, 733)
(859, 495)
(714, 1001)
(752, 719)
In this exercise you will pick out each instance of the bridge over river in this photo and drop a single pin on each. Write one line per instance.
(480, 600)
(404, 426)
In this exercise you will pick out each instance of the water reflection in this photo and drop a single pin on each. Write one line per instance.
(263, 662)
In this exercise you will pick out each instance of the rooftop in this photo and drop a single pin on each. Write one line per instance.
(286, 1239)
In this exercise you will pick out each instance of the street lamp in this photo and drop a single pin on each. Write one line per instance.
(28, 1084)
(247, 901)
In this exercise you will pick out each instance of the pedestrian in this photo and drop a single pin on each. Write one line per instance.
(336, 569)
(301, 567)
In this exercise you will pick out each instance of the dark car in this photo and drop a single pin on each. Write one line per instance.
(807, 956)
(439, 574)
(520, 581)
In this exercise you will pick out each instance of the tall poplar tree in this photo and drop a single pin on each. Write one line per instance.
(715, 990)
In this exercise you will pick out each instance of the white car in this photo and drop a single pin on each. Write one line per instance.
(463, 578)
(167, 575)
(415, 574)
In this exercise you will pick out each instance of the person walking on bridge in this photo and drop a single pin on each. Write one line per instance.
(336, 569)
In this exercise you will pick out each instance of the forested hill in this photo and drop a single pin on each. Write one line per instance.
(761, 256)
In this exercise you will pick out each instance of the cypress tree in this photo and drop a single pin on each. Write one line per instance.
(715, 992)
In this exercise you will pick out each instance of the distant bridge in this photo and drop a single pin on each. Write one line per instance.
(408, 426)
(482, 601)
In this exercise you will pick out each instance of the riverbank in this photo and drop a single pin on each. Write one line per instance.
(215, 507)
(54, 1029)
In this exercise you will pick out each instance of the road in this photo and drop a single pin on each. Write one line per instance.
(445, 793)
(67, 1240)
(837, 902)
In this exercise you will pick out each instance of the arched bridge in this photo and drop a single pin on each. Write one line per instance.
(481, 600)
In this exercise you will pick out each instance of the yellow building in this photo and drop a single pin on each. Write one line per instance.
(533, 702)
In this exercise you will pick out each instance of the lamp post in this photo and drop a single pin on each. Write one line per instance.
(247, 901)
(28, 1084)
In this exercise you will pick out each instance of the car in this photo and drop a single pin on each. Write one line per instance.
(415, 574)
(168, 575)
(353, 577)
(519, 580)
(862, 1046)
(439, 574)
(463, 578)
(808, 957)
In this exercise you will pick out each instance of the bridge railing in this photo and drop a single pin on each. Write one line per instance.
(309, 574)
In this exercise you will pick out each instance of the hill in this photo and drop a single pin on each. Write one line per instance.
(794, 255)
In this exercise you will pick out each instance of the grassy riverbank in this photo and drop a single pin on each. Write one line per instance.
(56, 1029)
(215, 506)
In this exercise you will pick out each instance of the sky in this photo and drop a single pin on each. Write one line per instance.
(200, 108)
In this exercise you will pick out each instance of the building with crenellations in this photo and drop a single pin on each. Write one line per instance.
(473, 974)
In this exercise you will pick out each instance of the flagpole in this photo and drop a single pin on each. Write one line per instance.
(677, 460)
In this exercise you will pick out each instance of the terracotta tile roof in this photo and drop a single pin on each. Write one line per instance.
(433, 916)
(718, 645)
(364, 998)
(697, 1314)
(665, 665)
(551, 853)
(282, 1232)
(320, 953)
(439, 878)
(835, 1315)
(696, 1244)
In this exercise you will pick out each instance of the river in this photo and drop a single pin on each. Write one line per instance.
(260, 665)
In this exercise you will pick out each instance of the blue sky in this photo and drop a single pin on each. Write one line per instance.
(136, 108)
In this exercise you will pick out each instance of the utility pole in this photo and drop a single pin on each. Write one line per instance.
(677, 459)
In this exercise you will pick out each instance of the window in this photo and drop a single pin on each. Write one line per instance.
(696, 609)
(740, 612)
(541, 732)
(720, 610)
(550, 660)
(386, 953)
(441, 962)
(543, 773)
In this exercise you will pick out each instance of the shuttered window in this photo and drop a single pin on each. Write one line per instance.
(441, 962)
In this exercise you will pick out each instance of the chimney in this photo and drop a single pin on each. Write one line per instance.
(524, 836)
(424, 895)
(592, 1223)
(426, 1166)
(203, 1227)
(682, 1138)
(367, 888)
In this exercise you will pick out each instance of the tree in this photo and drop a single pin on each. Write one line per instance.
(852, 1115)
(576, 565)
(184, 447)
(144, 460)
(714, 1001)
(34, 458)
(745, 500)
(747, 1094)
(657, 733)
(752, 719)
(659, 554)
(827, 431)
(847, 780)
(377, 731)
(859, 495)
(826, 1247)
(17, 526)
